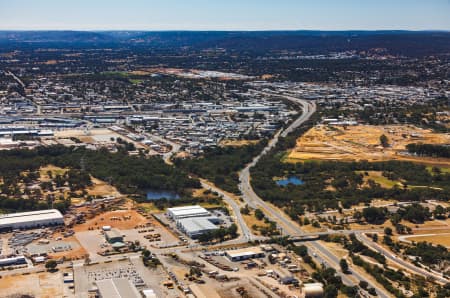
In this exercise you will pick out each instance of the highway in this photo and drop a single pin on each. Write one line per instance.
(291, 228)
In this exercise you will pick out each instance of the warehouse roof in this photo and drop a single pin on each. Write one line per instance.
(197, 224)
(117, 288)
(31, 216)
(249, 251)
(188, 211)
(113, 233)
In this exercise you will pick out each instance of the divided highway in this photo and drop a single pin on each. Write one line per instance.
(291, 228)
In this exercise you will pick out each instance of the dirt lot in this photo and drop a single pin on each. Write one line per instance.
(362, 142)
(120, 219)
(101, 188)
(237, 143)
(38, 285)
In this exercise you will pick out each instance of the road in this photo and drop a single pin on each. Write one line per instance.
(291, 228)
(175, 147)
(308, 109)
(246, 233)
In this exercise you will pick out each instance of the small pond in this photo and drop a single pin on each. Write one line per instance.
(290, 180)
(159, 194)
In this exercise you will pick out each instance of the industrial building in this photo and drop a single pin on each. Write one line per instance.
(196, 226)
(312, 290)
(113, 236)
(187, 211)
(244, 254)
(19, 260)
(117, 288)
(33, 219)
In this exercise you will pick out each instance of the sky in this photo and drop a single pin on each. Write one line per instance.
(225, 15)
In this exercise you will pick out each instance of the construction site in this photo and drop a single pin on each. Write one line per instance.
(362, 142)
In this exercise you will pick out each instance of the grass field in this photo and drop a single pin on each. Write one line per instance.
(380, 179)
(442, 239)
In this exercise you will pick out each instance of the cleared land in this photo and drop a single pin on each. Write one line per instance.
(37, 285)
(362, 142)
(238, 143)
(435, 238)
(120, 219)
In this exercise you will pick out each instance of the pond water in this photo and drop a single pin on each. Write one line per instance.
(290, 180)
(159, 194)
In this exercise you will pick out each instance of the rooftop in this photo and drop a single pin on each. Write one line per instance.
(188, 210)
(248, 251)
(31, 216)
(117, 288)
(197, 224)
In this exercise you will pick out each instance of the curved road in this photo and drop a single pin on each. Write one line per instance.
(290, 227)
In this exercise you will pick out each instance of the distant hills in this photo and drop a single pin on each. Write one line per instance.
(413, 43)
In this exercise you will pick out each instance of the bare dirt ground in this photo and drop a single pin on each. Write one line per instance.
(101, 188)
(115, 219)
(237, 143)
(362, 142)
(44, 285)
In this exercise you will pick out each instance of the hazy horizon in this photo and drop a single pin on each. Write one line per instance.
(232, 15)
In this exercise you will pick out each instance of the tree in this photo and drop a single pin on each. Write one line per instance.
(374, 215)
(344, 265)
(439, 212)
(330, 291)
(245, 210)
(384, 141)
(375, 237)
(363, 284)
(388, 231)
(51, 265)
(259, 214)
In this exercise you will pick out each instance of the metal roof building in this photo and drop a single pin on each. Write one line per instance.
(195, 226)
(113, 236)
(117, 288)
(245, 253)
(187, 211)
(33, 219)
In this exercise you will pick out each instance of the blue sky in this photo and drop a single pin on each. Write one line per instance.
(224, 14)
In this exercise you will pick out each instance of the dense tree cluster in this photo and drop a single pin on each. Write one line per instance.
(328, 182)
(428, 253)
(221, 164)
(130, 174)
(219, 235)
(429, 150)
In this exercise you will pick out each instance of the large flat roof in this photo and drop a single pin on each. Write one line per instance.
(23, 217)
(197, 224)
(117, 288)
(188, 210)
(249, 251)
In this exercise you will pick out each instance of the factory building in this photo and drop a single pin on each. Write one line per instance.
(313, 290)
(113, 236)
(19, 260)
(195, 226)
(187, 211)
(33, 219)
(117, 288)
(244, 254)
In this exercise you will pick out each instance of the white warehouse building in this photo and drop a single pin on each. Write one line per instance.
(196, 226)
(177, 213)
(32, 219)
